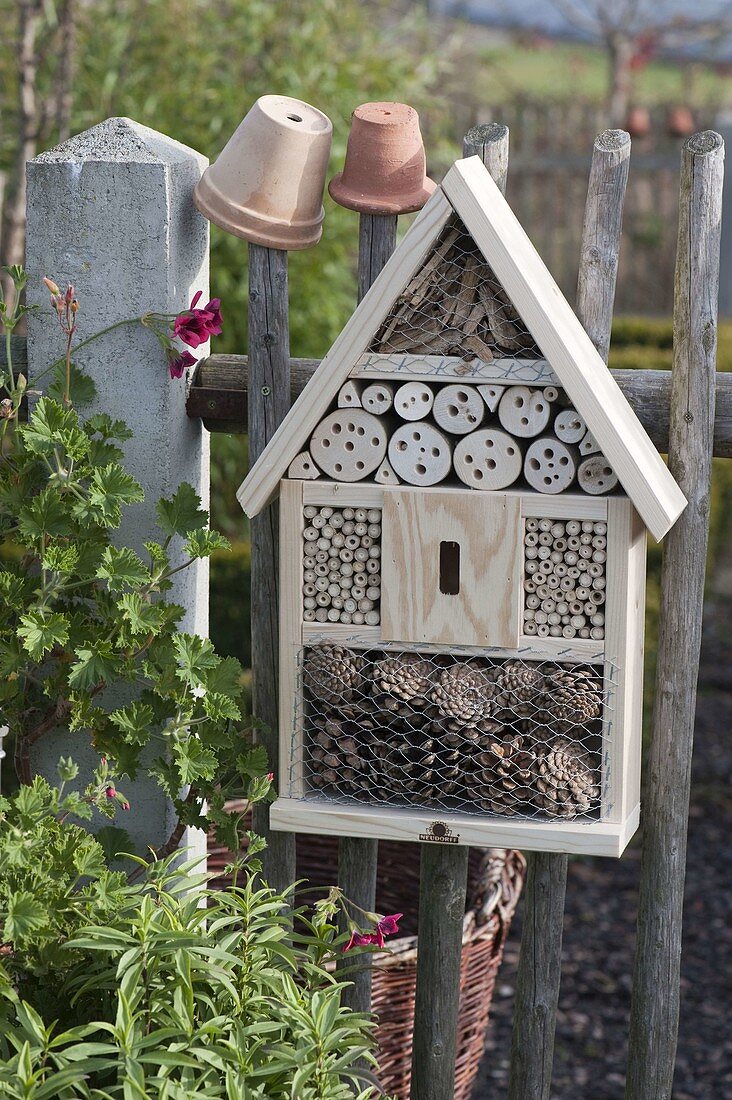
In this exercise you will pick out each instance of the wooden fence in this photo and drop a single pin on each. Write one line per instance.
(548, 183)
(680, 413)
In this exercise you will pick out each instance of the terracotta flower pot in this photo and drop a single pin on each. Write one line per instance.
(267, 183)
(638, 122)
(680, 122)
(385, 167)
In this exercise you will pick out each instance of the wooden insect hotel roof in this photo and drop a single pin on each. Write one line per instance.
(467, 283)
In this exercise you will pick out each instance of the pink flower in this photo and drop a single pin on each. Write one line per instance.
(363, 939)
(389, 926)
(178, 364)
(125, 805)
(111, 792)
(270, 776)
(194, 326)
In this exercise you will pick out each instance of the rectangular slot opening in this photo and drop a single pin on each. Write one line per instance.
(450, 568)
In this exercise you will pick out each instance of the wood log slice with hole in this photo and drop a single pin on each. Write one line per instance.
(596, 476)
(524, 412)
(420, 454)
(349, 395)
(488, 459)
(349, 444)
(302, 467)
(378, 397)
(413, 401)
(569, 426)
(550, 466)
(458, 409)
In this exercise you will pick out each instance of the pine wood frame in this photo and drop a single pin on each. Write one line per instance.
(620, 655)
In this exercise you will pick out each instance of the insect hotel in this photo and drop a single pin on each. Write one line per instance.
(464, 495)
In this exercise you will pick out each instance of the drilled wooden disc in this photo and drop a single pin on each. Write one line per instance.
(420, 454)
(550, 465)
(489, 459)
(596, 476)
(378, 397)
(569, 426)
(459, 409)
(524, 412)
(349, 444)
(413, 400)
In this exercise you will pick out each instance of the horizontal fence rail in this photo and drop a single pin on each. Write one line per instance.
(219, 396)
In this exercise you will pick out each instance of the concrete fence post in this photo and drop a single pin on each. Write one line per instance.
(111, 211)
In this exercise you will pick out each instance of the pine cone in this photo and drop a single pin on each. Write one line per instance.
(520, 683)
(333, 674)
(465, 693)
(572, 697)
(338, 758)
(406, 677)
(565, 781)
(505, 786)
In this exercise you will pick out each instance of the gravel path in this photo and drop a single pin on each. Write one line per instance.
(599, 930)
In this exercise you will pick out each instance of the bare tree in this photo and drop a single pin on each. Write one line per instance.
(633, 29)
(44, 67)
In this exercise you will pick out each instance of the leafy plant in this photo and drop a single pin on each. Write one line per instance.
(177, 1000)
(54, 875)
(88, 639)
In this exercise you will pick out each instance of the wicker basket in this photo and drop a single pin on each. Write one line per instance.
(495, 878)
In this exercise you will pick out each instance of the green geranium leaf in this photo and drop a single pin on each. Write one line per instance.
(24, 915)
(195, 657)
(45, 515)
(60, 558)
(108, 428)
(110, 488)
(48, 425)
(182, 513)
(82, 389)
(114, 842)
(141, 616)
(253, 764)
(41, 630)
(194, 761)
(133, 722)
(225, 678)
(122, 568)
(95, 663)
(203, 542)
(220, 708)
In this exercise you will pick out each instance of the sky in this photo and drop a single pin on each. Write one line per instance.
(543, 15)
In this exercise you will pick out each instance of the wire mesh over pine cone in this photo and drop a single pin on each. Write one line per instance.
(339, 759)
(573, 697)
(406, 677)
(333, 674)
(564, 779)
(520, 683)
(466, 693)
(505, 783)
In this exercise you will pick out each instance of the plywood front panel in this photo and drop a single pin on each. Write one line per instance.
(451, 568)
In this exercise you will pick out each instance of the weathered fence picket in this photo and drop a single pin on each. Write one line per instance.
(539, 974)
(357, 858)
(654, 1019)
(269, 402)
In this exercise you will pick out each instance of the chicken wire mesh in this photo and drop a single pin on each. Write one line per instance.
(455, 305)
(451, 732)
